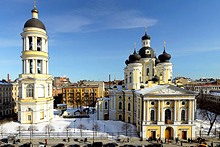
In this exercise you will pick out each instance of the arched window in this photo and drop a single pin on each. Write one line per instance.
(130, 79)
(106, 105)
(129, 107)
(30, 90)
(167, 116)
(120, 105)
(183, 115)
(41, 90)
(152, 113)
(147, 72)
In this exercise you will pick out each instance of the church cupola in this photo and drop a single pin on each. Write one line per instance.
(164, 57)
(35, 103)
(34, 21)
(145, 40)
(134, 58)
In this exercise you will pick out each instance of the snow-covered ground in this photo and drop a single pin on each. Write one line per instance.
(105, 128)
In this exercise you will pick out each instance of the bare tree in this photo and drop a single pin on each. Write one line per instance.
(210, 116)
(49, 128)
(32, 128)
(20, 129)
(2, 130)
(96, 128)
(126, 127)
(67, 129)
(208, 108)
(81, 127)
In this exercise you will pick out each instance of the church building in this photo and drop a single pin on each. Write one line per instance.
(149, 100)
(35, 102)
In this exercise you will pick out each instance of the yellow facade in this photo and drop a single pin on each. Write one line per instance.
(149, 100)
(77, 96)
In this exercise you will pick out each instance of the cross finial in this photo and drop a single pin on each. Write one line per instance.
(35, 3)
(164, 45)
(134, 45)
(145, 29)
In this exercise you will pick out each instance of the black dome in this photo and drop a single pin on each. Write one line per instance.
(127, 62)
(33, 22)
(165, 57)
(146, 52)
(134, 58)
(146, 37)
(155, 79)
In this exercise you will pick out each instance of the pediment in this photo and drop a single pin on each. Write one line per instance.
(170, 90)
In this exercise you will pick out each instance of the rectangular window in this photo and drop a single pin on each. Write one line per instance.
(29, 117)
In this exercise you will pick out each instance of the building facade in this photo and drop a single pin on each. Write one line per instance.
(8, 98)
(149, 99)
(81, 95)
(35, 103)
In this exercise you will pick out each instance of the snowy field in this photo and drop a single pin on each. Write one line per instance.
(83, 127)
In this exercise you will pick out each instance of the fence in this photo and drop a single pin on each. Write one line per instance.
(71, 134)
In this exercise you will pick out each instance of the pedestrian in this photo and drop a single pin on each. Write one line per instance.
(177, 139)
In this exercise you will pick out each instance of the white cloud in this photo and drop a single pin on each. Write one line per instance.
(87, 20)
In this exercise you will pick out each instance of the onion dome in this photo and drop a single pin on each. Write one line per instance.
(165, 57)
(146, 37)
(127, 62)
(156, 60)
(155, 79)
(134, 58)
(146, 52)
(34, 21)
(142, 87)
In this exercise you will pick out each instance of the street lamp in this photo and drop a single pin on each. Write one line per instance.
(93, 132)
(74, 125)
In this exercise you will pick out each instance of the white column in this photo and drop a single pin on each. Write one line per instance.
(193, 110)
(189, 107)
(179, 111)
(163, 111)
(147, 111)
(26, 43)
(23, 91)
(174, 113)
(144, 110)
(26, 66)
(158, 111)
(23, 66)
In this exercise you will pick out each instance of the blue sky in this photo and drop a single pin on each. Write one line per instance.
(90, 39)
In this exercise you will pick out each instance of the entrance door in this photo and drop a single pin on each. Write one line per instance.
(153, 135)
(184, 135)
(106, 117)
(168, 133)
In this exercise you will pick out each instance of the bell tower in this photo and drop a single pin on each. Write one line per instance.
(35, 104)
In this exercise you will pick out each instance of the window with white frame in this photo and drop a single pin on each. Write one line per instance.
(30, 90)
(120, 105)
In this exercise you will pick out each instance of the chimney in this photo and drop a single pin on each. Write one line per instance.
(9, 78)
